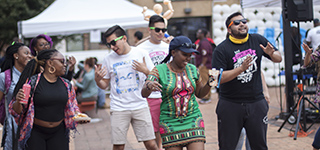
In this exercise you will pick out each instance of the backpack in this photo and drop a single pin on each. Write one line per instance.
(2, 103)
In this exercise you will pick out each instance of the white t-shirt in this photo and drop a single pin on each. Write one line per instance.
(314, 37)
(157, 53)
(125, 82)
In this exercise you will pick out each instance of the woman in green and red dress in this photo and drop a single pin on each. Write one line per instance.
(181, 122)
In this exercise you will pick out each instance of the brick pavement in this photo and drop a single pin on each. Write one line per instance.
(96, 136)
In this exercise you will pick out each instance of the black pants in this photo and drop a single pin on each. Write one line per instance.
(232, 117)
(43, 138)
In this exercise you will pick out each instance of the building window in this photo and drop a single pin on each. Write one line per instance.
(74, 43)
(188, 26)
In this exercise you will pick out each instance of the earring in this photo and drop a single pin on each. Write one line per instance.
(52, 70)
(17, 58)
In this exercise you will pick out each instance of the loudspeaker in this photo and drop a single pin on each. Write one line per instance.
(299, 10)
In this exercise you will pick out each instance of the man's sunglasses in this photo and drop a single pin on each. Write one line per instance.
(158, 29)
(187, 45)
(237, 22)
(113, 42)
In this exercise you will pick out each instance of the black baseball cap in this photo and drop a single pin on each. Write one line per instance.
(182, 43)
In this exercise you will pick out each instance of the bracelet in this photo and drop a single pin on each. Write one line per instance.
(148, 86)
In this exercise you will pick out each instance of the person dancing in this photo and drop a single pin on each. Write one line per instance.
(47, 117)
(181, 122)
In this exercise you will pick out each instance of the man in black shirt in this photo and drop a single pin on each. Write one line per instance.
(241, 100)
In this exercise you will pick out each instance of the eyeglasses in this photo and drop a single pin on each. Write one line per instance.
(187, 45)
(113, 42)
(44, 44)
(62, 60)
(237, 22)
(158, 29)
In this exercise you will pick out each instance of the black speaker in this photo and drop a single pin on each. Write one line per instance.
(299, 10)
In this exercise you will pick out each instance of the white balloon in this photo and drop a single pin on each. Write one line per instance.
(276, 24)
(276, 17)
(270, 81)
(225, 16)
(316, 8)
(252, 24)
(217, 17)
(217, 32)
(260, 24)
(217, 9)
(218, 40)
(269, 24)
(235, 7)
(303, 25)
(267, 10)
(260, 16)
(268, 17)
(225, 8)
(277, 9)
(251, 16)
(217, 24)
(249, 9)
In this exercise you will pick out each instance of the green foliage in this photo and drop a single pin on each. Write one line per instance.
(12, 11)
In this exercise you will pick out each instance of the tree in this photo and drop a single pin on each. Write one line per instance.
(12, 11)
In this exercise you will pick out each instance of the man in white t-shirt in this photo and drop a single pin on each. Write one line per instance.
(158, 50)
(125, 70)
(313, 37)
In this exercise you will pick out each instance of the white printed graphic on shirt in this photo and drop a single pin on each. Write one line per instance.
(126, 78)
(157, 57)
(238, 59)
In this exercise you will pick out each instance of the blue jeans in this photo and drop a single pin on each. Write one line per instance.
(101, 97)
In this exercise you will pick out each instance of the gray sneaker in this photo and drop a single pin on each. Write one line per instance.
(205, 101)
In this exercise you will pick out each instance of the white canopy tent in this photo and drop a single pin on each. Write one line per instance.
(65, 17)
(266, 3)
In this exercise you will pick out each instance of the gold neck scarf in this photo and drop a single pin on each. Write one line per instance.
(238, 41)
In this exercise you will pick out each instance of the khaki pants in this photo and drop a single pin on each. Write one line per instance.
(204, 74)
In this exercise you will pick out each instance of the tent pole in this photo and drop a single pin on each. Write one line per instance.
(20, 36)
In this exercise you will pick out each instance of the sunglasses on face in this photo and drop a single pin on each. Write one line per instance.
(113, 42)
(237, 22)
(158, 29)
(187, 45)
(62, 60)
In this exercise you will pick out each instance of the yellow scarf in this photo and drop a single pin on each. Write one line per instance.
(238, 41)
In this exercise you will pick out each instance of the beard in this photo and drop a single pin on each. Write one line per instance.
(239, 35)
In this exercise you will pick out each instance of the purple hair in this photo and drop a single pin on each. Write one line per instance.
(34, 42)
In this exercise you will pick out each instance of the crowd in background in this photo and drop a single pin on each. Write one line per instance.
(153, 87)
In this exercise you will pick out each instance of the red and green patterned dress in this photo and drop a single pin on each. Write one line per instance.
(181, 121)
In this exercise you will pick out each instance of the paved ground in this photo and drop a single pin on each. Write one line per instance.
(96, 135)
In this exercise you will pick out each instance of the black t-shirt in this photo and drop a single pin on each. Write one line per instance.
(246, 87)
(50, 100)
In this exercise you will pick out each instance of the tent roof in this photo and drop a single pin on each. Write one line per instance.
(266, 3)
(65, 17)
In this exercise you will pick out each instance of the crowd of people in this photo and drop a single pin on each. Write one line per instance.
(153, 87)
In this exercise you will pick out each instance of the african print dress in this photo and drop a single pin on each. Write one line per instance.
(181, 121)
